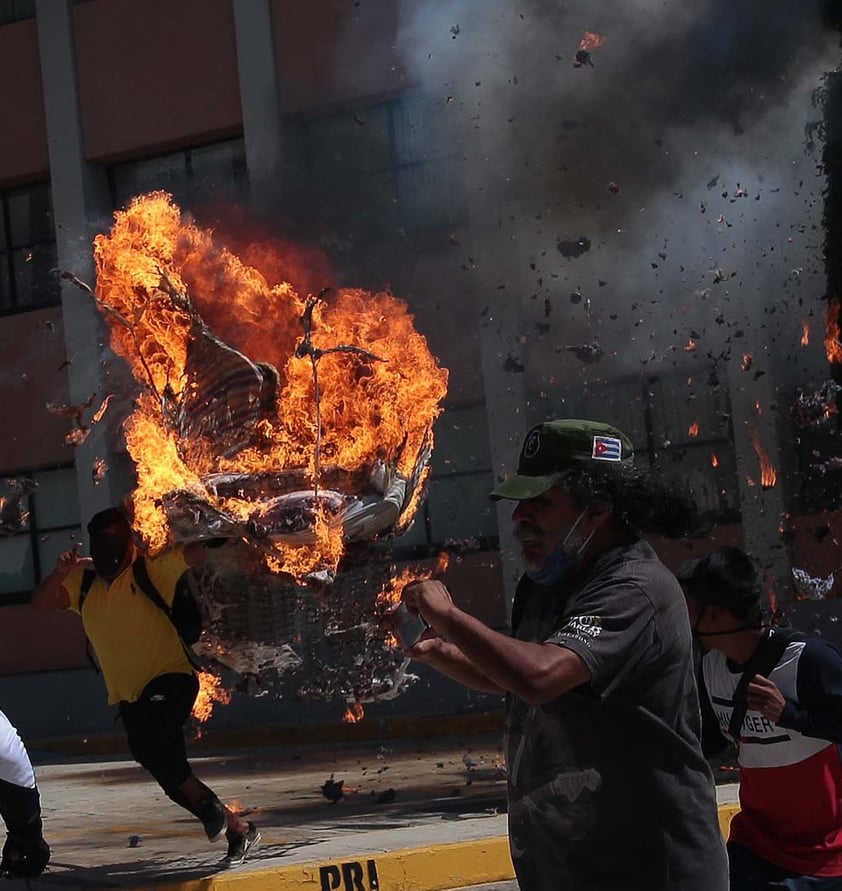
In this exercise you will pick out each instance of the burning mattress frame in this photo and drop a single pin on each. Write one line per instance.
(308, 570)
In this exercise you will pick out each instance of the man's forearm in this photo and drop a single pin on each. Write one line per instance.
(50, 593)
(534, 672)
(448, 659)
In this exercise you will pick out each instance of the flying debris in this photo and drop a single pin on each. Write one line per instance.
(589, 42)
(817, 406)
(12, 513)
(809, 588)
(585, 352)
(332, 790)
(572, 248)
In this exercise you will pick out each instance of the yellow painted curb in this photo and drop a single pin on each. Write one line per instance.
(432, 868)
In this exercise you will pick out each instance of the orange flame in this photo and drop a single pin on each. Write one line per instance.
(390, 594)
(805, 334)
(714, 461)
(693, 429)
(832, 345)
(768, 474)
(370, 410)
(691, 346)
(591, 41)
(211, 691)
(354, 713)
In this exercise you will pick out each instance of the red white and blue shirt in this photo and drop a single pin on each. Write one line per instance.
(790, 772)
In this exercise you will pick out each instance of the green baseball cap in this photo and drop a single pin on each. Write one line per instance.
(554, 447)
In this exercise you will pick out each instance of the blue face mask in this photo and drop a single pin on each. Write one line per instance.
(560, 565)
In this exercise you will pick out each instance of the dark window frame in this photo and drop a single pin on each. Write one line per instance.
(8, 250)
(240, 175)
(34, 532)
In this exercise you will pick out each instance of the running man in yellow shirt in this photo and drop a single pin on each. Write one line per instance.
(144, 663)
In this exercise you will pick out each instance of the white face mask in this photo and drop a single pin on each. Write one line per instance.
(560, 564)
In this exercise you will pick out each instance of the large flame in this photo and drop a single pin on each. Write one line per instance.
(377, 406)
(211, 691)
(832, 346)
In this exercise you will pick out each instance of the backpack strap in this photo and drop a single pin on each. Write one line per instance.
(767, 655)
(141, 576)
(88, 578)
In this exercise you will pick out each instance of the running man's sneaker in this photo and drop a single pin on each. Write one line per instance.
(240, 845)
(213, 817)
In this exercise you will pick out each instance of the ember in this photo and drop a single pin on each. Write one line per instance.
(714, 461)
(353, 713)
(768, 474)
(747, 361)
(693, 429)
(805, 334)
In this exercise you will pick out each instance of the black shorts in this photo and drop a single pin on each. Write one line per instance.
(751, 873)
(155, 726)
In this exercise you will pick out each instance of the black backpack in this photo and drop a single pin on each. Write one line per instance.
(767, 655)
(185, 614)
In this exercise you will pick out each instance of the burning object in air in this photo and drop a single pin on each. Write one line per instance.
(297, 427)
(589, 42)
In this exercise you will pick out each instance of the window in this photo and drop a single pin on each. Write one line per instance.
(388, 166)
(16, 11)
(669, 418)
(457, 512)
(193, 176)
(52, 526)
(27, 249)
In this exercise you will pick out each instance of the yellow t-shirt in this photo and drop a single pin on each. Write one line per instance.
(133, 639)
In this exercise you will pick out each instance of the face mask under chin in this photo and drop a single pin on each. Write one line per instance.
(561, 564)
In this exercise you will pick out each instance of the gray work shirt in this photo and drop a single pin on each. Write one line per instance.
(608, 787)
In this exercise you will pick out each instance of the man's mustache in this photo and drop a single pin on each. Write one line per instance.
(527, 533)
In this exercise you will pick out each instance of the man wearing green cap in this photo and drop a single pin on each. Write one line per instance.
(608, 787)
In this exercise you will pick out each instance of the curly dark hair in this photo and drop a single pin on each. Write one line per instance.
(725, 577)
(641, 501)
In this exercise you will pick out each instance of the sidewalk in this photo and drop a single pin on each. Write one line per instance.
(413, 816)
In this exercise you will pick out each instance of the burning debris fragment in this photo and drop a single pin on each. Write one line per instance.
(817, 406)
(299, 428)
(809, 588)
(13, 515)
(589, 42)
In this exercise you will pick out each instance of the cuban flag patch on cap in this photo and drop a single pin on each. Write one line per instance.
(607, 448)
